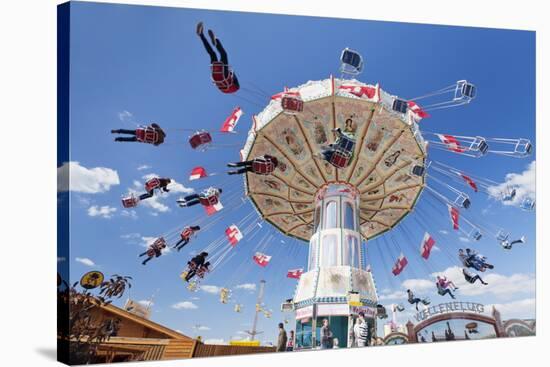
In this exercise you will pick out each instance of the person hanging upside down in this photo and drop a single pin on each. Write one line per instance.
(195, 264)
(207, 197)
(471, 277)
(263, 165)
(186, 236)
(155, 183)
(507, 245)
(222, 75)
(154, 250)
(152, 134)
(415, 300)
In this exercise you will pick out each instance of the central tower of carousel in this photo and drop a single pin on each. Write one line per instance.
(369, 180)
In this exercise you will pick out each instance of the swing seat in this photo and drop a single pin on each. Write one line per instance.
(340, 159)
(400, 106)
(527, 204)
(147, 135)
(468, 90)
(263, 168)
(225, 83)
(464, 91)
(152, 184)
(209, 201)
(292, 104)
(130, 202)
(418, 171)
(351, 62)
(476, 235)
(200, 138)
(483, 147)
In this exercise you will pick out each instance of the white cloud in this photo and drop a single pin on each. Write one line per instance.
(212, 289)
(522, 309)
(397, 295)
(444, 232)
(130, 236)
(85, 261)
(132, 214)
(125, 116)
(195, 298)
(214, 341)
(103, 211)
(464, 239)
(247, 286)
(524, 183)
(185, 305)
(85, 180)
(143, 167)
(418, 285)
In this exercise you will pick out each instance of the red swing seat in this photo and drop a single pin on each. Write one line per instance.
(147, 135)
(152, 184)
(340, 159)
(226, 84)
(292, 104)
(262, 167)
(130, 202)
(209, 201)
(200, 138)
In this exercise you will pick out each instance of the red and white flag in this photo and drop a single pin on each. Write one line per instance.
(399, 265)
(231, 122)
(213, 209)
(469, 181)
(285, 92)
(451, 142)
(233, 234)
(261, 259)
(295, 273)
(196, 173)
(418, 110)
(426, 246)
(360, 91)
(455, 214)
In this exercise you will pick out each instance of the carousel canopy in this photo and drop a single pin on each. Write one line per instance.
(388, 146)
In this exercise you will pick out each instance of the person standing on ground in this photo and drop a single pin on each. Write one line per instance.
(282, 339)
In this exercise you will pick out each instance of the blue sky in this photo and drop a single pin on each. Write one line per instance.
(134, 65)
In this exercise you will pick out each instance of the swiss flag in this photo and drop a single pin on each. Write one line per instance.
(295, 273)
(399, 265)
(196, 173)
(261, 259)
(231, 122)
(451, 142)
(285, 92)
(213, 209)
(233, 234)
(455, 214)
(418, 110)
(426, 246)
(359, 90)
(469, 181)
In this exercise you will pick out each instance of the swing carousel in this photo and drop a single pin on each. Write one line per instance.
(338, 163)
